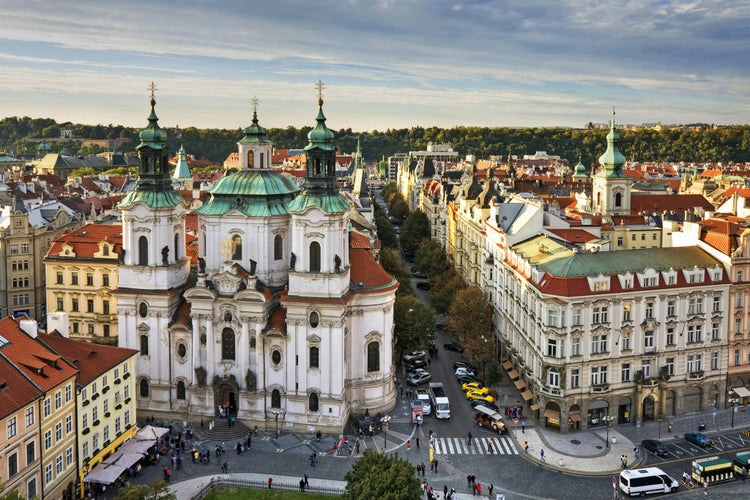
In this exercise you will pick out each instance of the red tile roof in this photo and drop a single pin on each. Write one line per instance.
(42, 366)
(16, 391)
(659, 203)
(92, 360)
(85, 241)
(574, 235)
(357, 240)
(365, 270)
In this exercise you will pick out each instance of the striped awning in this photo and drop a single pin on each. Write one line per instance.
(507, 364)
(520, 384)
(513, 374)
(527, 395)
(741, 392)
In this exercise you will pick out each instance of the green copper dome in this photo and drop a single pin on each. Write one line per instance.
(579, 170)
(153, 136)
(321, 136)
(254, 193)
(612, 160)
(255, 134)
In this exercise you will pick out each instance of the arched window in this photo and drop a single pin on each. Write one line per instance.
(144, 345)
(142, 251)
(180, 390)
(278, 248)
(618, 199)
(143, 388)
(314, 357)
(236, 247)
(373, 357)
(313, 402)
(176, 247)
(227, 343)
(275, 399)
(314, 257)
(250, 159)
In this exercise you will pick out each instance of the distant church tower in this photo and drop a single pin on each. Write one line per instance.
(154, 268)
(611, 187)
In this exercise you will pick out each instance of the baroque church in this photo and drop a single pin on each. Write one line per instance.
(287, 316)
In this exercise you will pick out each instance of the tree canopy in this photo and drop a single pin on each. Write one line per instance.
(158, 489)
(430, 259)
(414, 323)
(382, 477)
(414, 232)
(396, 267)
(444, 288)
(470, 322)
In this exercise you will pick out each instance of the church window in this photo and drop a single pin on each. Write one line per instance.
(314, 402)
(236, 247)
(181, 350)
(227, 343)
(250, 159)
(278, 248)
(142, 251)
(143, 387)
(373, 357)
(275, 399)
(618, 199)
(276, 357)
(144, 345)
(143, 309)
(314, 257)
(314, 319)
(180, 390)
(314, 357)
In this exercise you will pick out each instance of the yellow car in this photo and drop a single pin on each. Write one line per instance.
(474, 386)
(475, 395)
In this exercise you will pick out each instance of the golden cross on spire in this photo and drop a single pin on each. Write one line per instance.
(255, 101)
(319, 86)
(153, 89)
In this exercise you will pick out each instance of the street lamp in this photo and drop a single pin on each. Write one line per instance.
(276, 414)
(384, 425)
(608, 420)
(733, 401)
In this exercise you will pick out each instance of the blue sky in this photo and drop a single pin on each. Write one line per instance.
(385, 63)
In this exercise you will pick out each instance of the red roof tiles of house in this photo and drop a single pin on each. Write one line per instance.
(359, 241)
(367, 272)
(42, 366)
(574, 235)
(16, 391)
(658, 203)
(721, 234)
(85, 241)
(92, 360)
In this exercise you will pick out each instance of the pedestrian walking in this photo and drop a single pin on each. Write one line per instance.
(201, 424)
(312, 460)
(489, 446)
(179, 463)
(435, 463)
(445, 491)
(423, 468)
(479, 490)
(523, 426)
(526, 446)
(318, 436)
(336, 448)
(417, 442)
(469, 438)
(635, 452)
(302, 485)
(705, 487)
(270, 482)
(490, 489)
(356, 446)
(408, 446)
(541, 452)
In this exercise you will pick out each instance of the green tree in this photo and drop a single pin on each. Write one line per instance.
(414, 232)
(83, 172)
(396, 267)
(398, 209)
(430, 259)
(470, 322)
(386, 233)
(158, 489)
(444, 288)
(388, 191)
(381, 476)
(414, 324)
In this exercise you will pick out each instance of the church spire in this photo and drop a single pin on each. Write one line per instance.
(612, 160)
(321, 153)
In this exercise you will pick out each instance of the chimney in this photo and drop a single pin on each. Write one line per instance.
(30, 327)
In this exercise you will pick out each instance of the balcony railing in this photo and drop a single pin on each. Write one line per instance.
(600, 388)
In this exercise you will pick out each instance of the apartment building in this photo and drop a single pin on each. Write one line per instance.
(82, 270)
(56, 378)
(20, 401)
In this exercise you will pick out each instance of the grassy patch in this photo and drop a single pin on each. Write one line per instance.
(231, 493)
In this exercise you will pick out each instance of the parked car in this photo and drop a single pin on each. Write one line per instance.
(479, 402)
(410, 356)
(474, 386)
(478, 395)
(698, 439)
(470, 377)
(415, 371)
(453, 346)
(419, 275)
(439, 325)
(464, 364)
(423, 285)
(419, 378)
(655, 446)
(463, 371)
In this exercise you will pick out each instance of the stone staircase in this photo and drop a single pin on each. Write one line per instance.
(222, 432)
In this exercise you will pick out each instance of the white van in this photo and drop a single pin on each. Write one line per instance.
(646, 481)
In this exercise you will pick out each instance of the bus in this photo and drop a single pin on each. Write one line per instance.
(712, 470)
(635, 482)
(741, 464)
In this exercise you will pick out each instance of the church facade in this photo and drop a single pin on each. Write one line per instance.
(287, 317)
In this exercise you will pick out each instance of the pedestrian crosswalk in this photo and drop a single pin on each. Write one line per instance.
(460, 446)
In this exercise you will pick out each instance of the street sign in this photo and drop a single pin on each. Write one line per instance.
(638, 423)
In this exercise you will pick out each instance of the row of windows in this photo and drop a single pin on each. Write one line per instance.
(75, 305)
(94, 440)
(21, 299)
(599, 374)
(19, 265)
(60, 279)
(58, 433)
(48, 476)
(14, 462)
(16, 248)
(11, 428)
